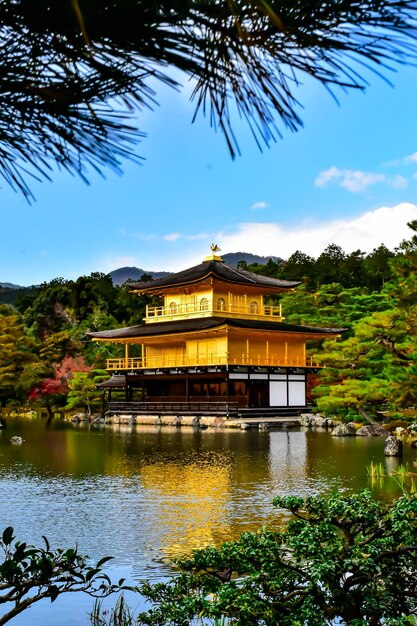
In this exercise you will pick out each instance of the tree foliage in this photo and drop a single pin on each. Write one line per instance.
(346, 559)
(366, 271)
(17, 356)
(52, 392)
(82, 392)
(29, 574)
(72, 72)
(375, 368)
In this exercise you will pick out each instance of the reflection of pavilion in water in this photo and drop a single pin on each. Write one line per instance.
(287, 459)
(212, 496)
(192, 505)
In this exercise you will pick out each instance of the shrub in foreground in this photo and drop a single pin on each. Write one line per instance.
(344, 559)
(29, 574)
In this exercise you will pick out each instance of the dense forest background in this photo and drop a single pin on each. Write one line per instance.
(46, 359)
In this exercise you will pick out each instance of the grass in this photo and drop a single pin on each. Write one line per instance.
(119, 615)
(375, 470)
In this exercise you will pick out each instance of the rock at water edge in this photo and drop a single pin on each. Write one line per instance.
(344, 430)
(372, 430)
(393, 447)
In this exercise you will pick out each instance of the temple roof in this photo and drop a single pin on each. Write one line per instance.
(216, 269)
(113, 382)
(208, 323)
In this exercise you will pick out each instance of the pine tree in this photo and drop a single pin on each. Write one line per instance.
(73, 71)
(376, 367)
(17, 357)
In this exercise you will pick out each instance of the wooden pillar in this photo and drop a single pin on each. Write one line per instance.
(126, 353)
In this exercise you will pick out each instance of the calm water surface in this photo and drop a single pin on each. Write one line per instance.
(149, 495)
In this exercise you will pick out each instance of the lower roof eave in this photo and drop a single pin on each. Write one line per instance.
(199, 370)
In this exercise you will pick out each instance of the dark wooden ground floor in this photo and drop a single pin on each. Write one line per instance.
(237, 387)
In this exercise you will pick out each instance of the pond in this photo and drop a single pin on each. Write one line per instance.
(147, 495)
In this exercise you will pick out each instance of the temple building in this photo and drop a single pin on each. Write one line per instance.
(212, 342)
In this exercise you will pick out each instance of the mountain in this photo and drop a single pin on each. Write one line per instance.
(10, 286)
(123, 274)
(233, 258)
(10, 295)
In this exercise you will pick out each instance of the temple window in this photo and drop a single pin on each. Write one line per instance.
(204, 304)
(254, 308)
(173, 308)
(221, 304)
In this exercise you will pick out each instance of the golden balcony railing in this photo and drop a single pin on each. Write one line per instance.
(163, 362)
(206, 308)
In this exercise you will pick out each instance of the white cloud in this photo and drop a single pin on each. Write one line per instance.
(172, 236)
(357, 181)
(259, 205)
(386, 225)
(398, 182)
(411, 158)
(325, 177)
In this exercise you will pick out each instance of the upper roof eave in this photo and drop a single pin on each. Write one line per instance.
(208, 323)
(217, 269)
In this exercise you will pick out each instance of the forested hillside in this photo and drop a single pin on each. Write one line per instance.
(45, 358)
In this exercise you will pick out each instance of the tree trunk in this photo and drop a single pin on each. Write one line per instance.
(49, 410)
(366, 415)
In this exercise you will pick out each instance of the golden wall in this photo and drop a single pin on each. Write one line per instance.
(193, 300)
(239, 347)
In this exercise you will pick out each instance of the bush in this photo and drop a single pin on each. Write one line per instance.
(29, 574)
(345, 559)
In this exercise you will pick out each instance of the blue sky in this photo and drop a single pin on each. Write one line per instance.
(349, 177)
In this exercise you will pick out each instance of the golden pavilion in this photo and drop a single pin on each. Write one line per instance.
(212, 342)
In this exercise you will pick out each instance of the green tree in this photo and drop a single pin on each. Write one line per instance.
(299, 266)
(362, 371)
(90, 291)
(130, 308)
(29, 574)
(344, 559)
(82, 392)
(378, 267)
(50, 309)
(17, 357)
(376, 366)
(354, 270)
(73, 71)
(330, 266)
(57, 346)
(331, 305)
